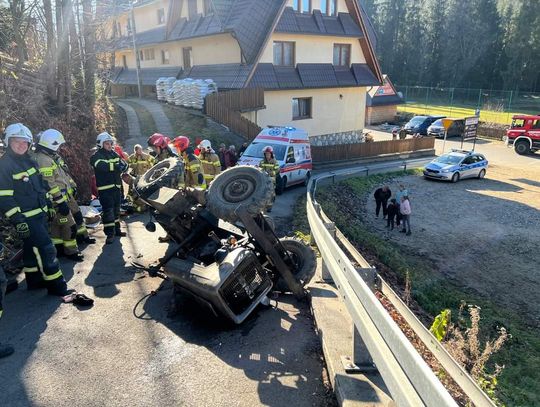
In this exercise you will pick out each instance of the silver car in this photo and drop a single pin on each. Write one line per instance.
(456, 165)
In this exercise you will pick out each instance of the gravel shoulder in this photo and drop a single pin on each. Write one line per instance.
(481, 234)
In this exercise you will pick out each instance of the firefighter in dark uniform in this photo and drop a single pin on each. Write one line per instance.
(5, 350)
(108, 167)
(23, 201)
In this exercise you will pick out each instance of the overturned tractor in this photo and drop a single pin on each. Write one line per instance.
(223, 250)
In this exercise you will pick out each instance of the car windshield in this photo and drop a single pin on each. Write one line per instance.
(417, 120)
(516, 123)
(449, 159)
(437, 123)
(255, 150)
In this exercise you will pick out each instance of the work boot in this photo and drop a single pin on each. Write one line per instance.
(109, 240)
(58, 288)
(88, 240)
(34, 281)
(76, 257)
(6, 350)
(119, 233)
(408, 233)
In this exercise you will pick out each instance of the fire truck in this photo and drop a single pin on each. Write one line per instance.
(524, 134)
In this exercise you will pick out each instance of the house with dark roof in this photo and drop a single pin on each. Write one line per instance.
(382, 102)
(314, 58)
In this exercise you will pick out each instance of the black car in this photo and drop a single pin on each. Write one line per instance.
(420, 124)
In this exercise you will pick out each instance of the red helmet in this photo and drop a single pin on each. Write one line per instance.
(181, 143)
(158, 140)
(268, 149)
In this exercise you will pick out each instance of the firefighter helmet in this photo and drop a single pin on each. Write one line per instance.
(103, 137)
(268, 149)
(18, 130)
(181, 143)
(51, 139)
(205, 145)
(158, 140)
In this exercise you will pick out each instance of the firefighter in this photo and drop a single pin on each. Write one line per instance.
(193, 174)
(108, 167)
(270, 165)
(5, 350)
(211, 166)
(68, 221)
(160, 146)
(139, 162)
(23, 201)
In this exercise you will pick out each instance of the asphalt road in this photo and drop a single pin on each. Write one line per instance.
(496, 151)
(125, 350)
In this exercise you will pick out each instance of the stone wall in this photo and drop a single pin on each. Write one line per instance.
(332, 139)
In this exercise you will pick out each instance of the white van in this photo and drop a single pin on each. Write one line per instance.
(291, 149)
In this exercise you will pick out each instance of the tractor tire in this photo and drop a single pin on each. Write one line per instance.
(304, 259)
(522, 147)
(239, 186)
(166, 173)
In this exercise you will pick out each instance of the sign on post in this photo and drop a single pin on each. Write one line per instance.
(471, 128)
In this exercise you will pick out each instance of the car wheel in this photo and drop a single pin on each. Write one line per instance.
(455, 177)
(308, 176)
(166, 173)
(239, 186)
(304, 262)
(481, 174)
(522, 147)
(281, 184)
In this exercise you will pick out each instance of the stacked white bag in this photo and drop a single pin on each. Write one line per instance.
(162, 86)
(191, 92)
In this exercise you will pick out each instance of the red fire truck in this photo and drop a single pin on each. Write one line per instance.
(524, 134)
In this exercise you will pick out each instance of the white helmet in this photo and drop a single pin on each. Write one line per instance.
(205, 144)
(18, 130)
(51, 139)
(102, 137)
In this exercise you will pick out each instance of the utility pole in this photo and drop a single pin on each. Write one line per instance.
(136, 50)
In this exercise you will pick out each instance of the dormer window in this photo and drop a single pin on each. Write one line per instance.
(161, 16)
(329, 7)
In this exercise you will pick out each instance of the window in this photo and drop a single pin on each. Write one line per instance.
(301, 108)
(192, 8)
(186, 54)
(536, 124)
(165, 57)
(128, 26)
(290, 156)
(342, 54)
(141, 56)
(119, 28)
(329, 7)
(149, 54)
(161, 16)
(303, 6)
(124, 61)
(283, 53)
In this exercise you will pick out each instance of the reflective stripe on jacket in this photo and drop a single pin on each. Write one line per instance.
(193, 171)
(104, 164)
(139, 164)
(54, 172)
(270, 167)
(211, 166)
(22, 189)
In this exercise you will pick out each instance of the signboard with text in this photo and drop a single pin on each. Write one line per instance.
(471, 127)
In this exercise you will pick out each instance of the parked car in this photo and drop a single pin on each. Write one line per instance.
(456, 165)
(291, 149)
(420, 124)
(456, 129)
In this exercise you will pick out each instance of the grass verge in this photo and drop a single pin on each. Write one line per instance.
(432, 292)
(146, 121)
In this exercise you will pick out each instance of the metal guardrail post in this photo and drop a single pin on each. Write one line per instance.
(326, 275)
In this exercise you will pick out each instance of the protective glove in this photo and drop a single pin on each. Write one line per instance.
(63, 209)
(51, 213)
(123, 166)
(23, 230)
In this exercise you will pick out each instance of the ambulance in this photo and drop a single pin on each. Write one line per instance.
(291, 149)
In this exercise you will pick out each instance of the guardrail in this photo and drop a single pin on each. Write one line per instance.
(378, 341)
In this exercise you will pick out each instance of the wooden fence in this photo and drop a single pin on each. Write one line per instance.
(225, 108)
(321, 154)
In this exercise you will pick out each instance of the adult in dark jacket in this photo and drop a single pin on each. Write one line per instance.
(382, 195)
(108, 167)
(23, 201)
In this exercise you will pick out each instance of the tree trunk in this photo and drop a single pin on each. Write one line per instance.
(61, 56)
(89, 53)
(75, 64)
(50, 59)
